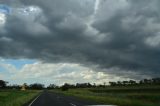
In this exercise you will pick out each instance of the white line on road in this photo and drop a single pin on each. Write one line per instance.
(34, 100)
(72, 104)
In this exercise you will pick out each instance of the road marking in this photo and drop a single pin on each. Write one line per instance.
(72, 104)
(34, 100)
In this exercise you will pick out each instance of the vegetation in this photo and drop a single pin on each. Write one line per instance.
(36, 86)
(121, 96)
(145, 92)
(11, 95)
(52, 86)
(16, 97)
(122, 93)
(3, 84)
(153, 81)
(131, 83)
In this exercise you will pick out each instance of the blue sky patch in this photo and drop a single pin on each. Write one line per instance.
(19, 63)
(2, 69)
(5, 9)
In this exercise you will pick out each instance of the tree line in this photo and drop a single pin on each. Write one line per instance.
(66, 86)
(153, 81)
(38, 86)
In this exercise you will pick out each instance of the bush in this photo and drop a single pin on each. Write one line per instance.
(65, 87)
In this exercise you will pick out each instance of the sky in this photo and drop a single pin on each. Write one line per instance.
(96, 41)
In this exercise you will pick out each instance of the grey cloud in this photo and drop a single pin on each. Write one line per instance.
(60, 34)
(128, 26)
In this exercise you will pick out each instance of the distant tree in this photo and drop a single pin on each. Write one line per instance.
(52, 86)
(3, 84)
(94, 85)
(132, 82)
(141, 82)
(100, 86)
(14, 86)
(83, 85)
(119, 83)
(112, 83)
(156, 81)
(125, 83)
(65, 87)
(37, 86)
(89, 85)
(146, 81)
(104, 84)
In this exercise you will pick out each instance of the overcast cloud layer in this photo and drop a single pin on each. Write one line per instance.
(116, 36)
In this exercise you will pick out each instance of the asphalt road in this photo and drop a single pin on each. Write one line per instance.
(53, 99)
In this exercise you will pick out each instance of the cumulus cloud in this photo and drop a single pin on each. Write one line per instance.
(110, 34)
(58, 74)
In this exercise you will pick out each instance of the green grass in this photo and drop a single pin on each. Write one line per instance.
(121, 96)
(16, 97)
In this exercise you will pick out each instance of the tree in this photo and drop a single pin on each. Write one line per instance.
(147, 81)
(3, 84)
(125, 83)
(156, 80)
(119, 83)
(132, 82)
(14, 86)
(36, 86)
(83, 85)
(52, 86)
(112, 83)
(94, 84)
(65, 87)
(104, 84)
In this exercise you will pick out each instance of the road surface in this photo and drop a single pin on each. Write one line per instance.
(53, 99)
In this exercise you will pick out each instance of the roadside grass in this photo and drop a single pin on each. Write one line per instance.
(121, 96)
(16, 97)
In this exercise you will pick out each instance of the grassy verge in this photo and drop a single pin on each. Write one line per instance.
(121, 96)
(16, 97)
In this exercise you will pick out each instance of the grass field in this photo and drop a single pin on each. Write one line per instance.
(16, 97)
(121, 96)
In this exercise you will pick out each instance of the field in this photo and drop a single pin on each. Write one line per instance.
(16, 97)
(121, 96)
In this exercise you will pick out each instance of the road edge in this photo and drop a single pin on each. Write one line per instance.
(34, 100)
(30, 101)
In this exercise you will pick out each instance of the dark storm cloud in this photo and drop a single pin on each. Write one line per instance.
(121, 34)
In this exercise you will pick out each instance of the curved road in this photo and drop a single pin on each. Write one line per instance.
(53, 99)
